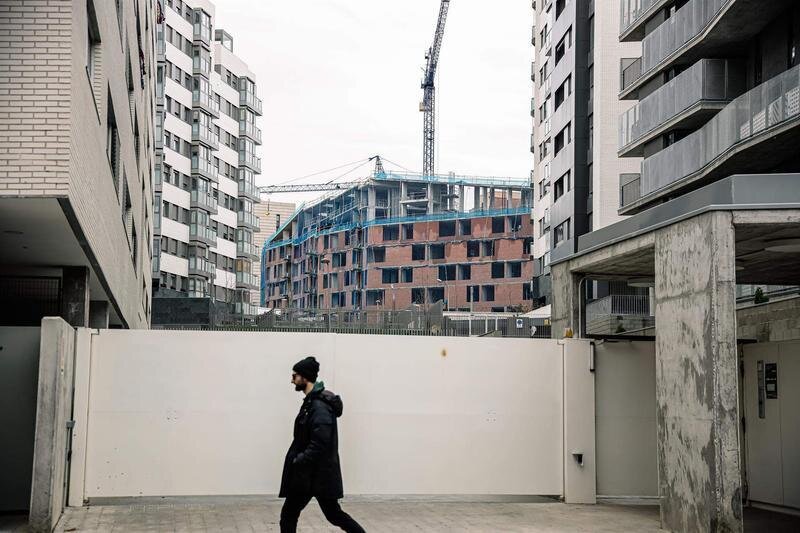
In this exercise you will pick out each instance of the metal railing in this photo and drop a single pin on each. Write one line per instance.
(248, 129)
(205, 135)
(248, 189)
(631, 71)
(750, 115)
(201, 266)
(201, 233)
(620, 304)
(708, 80)
(631, 11)
(415, 322)
(250, 159)
(246, 249)
(246, 218)
(249, 99)
(204, 167)
(205, 100)
(629, 188)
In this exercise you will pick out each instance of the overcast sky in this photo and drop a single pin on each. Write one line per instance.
(340, 81)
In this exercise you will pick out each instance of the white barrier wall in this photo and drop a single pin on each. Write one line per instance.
(211, 413)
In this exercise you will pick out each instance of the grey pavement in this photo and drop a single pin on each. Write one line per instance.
(376, 516)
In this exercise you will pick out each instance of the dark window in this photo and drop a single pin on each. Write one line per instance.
(488, 248)
(113, 144)
(561, 186)
(418, 296)
(473, 248)
(561, 233)
(466, 227)
(406, 275)
(390, 275)
(418, 252)
(391, 233)
(408, 231)
(437, 251)
(488, 293)
(515, 223)
(447, 273)
(560, 4)
(435, 294)
(498, 270)
(514, 270)
(527, 294)
(498, 225)
(447, 228)
(464, 271)
(473, 293)
(378, 255)
(375, 297)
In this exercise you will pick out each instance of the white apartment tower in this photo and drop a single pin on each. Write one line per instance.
(575, 108)
(206, 166)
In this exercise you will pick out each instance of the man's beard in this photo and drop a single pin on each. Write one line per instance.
(299, 388)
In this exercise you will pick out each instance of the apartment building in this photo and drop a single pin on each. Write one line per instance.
(76, 162)
(271, 216)
(397, 240)
(574, 107)
(712, 210)
(206, 150)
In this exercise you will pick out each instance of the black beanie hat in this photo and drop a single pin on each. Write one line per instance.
(308, 368)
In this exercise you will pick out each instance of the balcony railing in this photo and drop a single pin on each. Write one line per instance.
(204, 234)
(201, 65)
(708, 80)
(250, 160)
(250, 220)
(200, 266)
(629, 188)
(204, 168)
(161, 49)
(246, 280)
(249, 99)
(248, 129)
(248, 189)
(203, 200)
(686, 24)
(247, 250)
(631, 71)
(631, 11)
(205, 101)
(750, 115)
(245, 309)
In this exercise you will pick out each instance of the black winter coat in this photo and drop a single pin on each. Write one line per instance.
(312, 463)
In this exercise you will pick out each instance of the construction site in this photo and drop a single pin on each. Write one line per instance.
(393, 240)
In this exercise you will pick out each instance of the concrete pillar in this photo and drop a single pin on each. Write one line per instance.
(565, 306)
(53, 411)
(476, 198)
(491, 198)
(371, 200)
(430, 198)
(509, 198)
(98, 314)
(461, 199)
(697, 413)
(75, 296)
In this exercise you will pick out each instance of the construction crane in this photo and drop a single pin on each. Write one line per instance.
(428, 104)
(328, 186)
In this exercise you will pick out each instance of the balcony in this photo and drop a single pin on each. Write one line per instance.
(533, 70)
(204, 135)
(201, 66)
(202, 30)
(631, 71)
(633, 15)
(204, 169)
(205, 101)
(249, 190)
(250, 160)
(533, 106)
(620, 314)
(247, 250)
(687, 101)
(765, 117)
(703, 28)
(245, 309)
(246, 280)
(249, 99)
(161, 48)
(202, 234)
(200, 266)
(248, 220)
(249, 130)
(204, 201)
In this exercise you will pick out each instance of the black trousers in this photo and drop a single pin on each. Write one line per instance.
(294, 505)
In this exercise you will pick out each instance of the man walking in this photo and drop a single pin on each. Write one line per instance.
(311, 469)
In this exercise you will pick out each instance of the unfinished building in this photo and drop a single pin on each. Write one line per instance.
(394, 240)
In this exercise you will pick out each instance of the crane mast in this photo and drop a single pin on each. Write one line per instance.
(428, 104)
